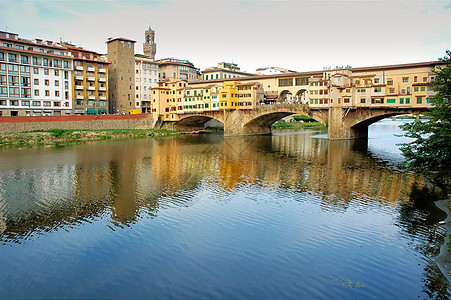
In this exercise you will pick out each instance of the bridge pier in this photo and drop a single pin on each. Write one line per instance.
(340, 125)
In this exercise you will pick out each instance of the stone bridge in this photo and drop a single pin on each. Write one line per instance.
(342, 122)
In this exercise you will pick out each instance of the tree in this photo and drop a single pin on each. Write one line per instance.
(430, 151)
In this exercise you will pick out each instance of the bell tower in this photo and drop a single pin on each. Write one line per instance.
(149, 46)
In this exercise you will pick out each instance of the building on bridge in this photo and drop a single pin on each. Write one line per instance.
(166, 100)
(201, 98)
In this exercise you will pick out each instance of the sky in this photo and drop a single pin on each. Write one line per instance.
(296, 35)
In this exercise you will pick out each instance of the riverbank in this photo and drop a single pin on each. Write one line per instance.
(443, 260)
(297, 125)
(53, 137)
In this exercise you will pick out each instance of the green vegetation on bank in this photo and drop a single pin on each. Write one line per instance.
(59, 136)
(284, 125)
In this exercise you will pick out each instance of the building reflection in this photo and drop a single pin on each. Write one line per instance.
(51, 188)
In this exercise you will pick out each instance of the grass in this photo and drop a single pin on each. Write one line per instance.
(281, 125)
(59, 136)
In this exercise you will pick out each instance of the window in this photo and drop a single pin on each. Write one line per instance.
(419, 100)
(36, 92)
(36, 81)
(377, 89)
(14, 102)
(2, 68)
(35, 70)
(57, 83)
(57, 73)
(415, 78)
(415, 89)
(47, 93)
(405, 79)
(401, 100)
(56, 104)
(391, 101)
(14, 92)
(129, 45)
(423, 88)
(57, 93)
(407, 100)
(13, 69)
(122, 44)
(46, 82)
(47, 103)
(36, 103)
(46, 71)
(286, 82)
(362, 100)
(25, 103)
(66, 85)
(4, 91)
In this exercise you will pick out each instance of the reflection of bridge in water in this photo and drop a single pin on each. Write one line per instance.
(128, 179)
(343, 123)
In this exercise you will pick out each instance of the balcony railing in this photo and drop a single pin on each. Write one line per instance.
(102, 70)
(91, 69)
(79, 87)
(78, 77)
(91, 88)
(102, 79)
(103, 89)
(79, 68)
(91, 79)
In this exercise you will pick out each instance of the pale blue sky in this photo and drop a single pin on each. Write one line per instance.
(298, 35)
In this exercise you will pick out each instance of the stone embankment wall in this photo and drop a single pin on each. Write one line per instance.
(101, 122)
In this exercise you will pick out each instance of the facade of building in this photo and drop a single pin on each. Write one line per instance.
(223, 71)
(149, 46)
(171, 68)
(90, 81)
(407, 85)
(146, 78)
(121, 75)
(35, 77)
(167, 99)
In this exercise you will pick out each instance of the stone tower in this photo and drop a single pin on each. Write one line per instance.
(149, 46)
(121, 75)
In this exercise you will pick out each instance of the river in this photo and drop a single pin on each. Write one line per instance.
(291, 216)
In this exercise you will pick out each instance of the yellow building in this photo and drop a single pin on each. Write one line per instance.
(90, 81)
(228, 95)
(166, 99)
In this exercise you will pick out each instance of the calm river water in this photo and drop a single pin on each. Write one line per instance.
(291, 215)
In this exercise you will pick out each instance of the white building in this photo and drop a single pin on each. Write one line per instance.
(35, 77)
(224, 71)
(272, 71)
(146, 78)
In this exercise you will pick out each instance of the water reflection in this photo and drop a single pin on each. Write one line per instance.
(48, 190)
(129, 178)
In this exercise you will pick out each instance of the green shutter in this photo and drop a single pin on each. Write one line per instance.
(391, 100)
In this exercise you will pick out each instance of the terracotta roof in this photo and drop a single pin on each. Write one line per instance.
(21, 41)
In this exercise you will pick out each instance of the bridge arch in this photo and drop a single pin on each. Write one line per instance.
(262, 123)
(354, 123)
(195, 122)
(301, 96)
(285, 96)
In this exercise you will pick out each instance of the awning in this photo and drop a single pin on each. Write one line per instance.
(79, 111)
(102, 111)
(91, 111)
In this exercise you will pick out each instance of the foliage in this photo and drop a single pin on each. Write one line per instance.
(302, 118)
(430, 151)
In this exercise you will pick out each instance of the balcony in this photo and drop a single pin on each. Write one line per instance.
(91, 69)
(79, 87)
(91, 88)
(2, 59)
(79, 68)
(78, 77)
(79, 97)
(91, 79)
(37, 63)
(91, 97)
(102, 70)
(102, 89)
(12, 60)
(102, 98)
(102, 79)
(24, 62)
